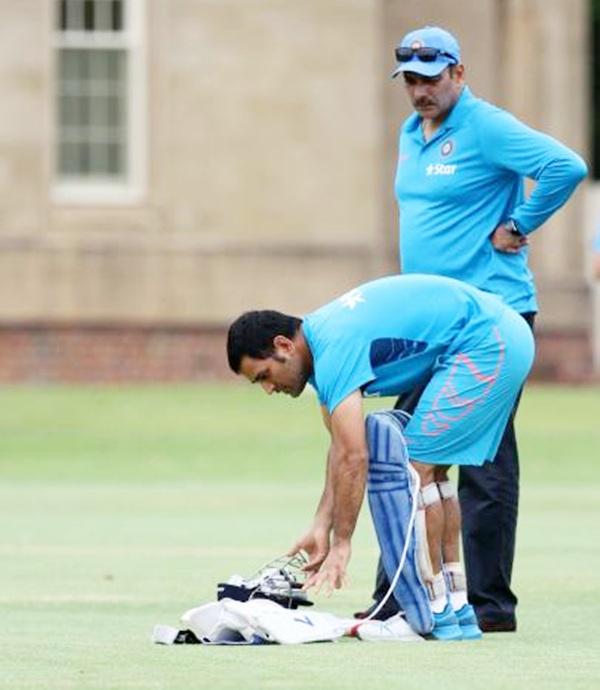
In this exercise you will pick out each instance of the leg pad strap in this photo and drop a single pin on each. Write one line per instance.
(455, 577)
(447, 489)
(428, 495)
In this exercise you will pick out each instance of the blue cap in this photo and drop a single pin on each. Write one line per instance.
(429, 37)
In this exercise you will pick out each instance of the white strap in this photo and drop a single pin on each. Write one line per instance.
(447, 489)
(455, 576)
(429, 495)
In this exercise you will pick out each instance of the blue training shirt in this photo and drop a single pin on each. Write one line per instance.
(385, 336)
(455, 189)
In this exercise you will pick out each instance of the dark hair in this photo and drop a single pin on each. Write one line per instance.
(252, 334)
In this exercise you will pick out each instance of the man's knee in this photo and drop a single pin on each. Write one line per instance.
(426, 472)
(435, 486)
(440, 473)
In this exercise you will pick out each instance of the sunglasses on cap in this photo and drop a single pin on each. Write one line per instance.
(405, 54)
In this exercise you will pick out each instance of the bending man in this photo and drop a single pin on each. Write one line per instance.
(384, 338)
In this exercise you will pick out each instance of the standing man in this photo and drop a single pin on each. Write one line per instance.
(383, 338)
(464, 214)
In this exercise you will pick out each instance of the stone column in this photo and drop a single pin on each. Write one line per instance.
(545, 83)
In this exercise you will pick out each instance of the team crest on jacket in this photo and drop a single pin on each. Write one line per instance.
(447, 147)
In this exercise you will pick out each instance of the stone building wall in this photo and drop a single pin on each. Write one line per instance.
(269, 139)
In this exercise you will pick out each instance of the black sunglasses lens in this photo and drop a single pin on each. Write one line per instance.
(404, 54)
(427, 54)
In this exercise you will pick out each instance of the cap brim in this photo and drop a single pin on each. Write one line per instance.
(425, 69)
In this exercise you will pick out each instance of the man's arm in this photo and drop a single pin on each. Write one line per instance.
(345, 487)
(349, 464)
(513, 146)
(316, 541)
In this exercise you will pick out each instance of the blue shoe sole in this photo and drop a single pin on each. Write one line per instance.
(445, 636)
(471, 632)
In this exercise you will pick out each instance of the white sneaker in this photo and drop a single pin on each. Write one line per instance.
(394, 629)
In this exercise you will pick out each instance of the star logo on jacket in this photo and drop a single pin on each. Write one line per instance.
(447, 147)
(352, 298)
(440, 169)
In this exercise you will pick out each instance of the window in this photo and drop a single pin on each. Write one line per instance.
(100, 100)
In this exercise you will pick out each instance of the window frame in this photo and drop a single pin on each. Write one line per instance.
(131, 188)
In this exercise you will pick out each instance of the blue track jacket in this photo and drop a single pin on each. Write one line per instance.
(455, 189)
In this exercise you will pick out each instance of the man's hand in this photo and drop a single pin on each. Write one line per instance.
(332, 574)
(503, 240)
(316, 544)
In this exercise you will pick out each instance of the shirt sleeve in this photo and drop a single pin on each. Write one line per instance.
(511, 145)
(340, 373)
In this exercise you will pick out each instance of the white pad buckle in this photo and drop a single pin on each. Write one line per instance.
(428, 495)
(447, 489)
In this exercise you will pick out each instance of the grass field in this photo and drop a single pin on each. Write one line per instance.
(121, 508)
